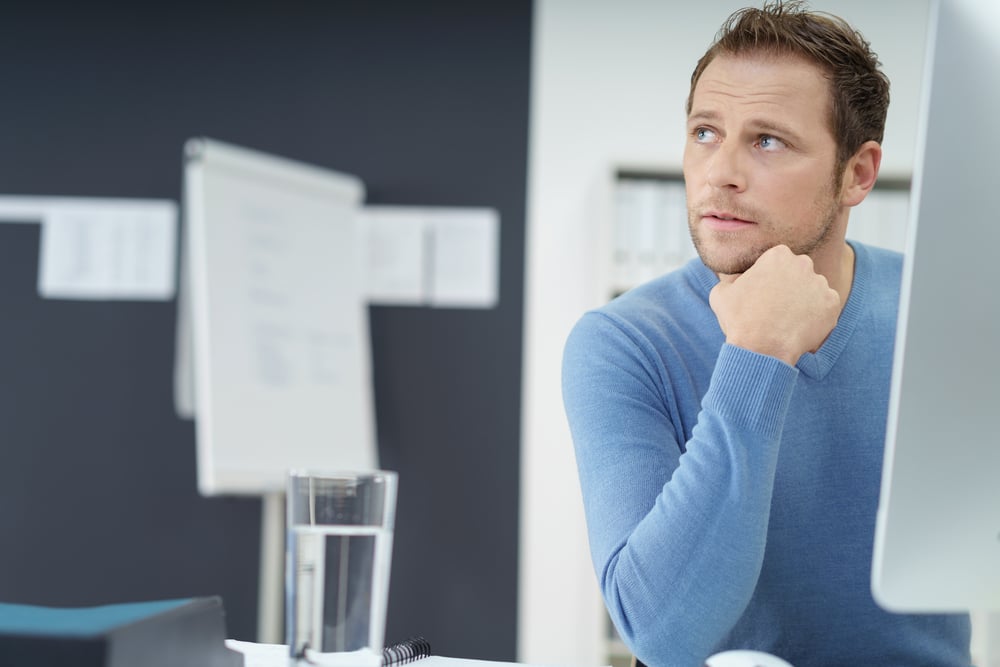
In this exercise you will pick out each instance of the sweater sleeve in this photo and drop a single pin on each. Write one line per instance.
(677, 530)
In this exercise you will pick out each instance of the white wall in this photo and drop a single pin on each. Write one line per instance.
(610, 78)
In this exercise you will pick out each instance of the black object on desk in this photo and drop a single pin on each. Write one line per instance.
(411, 650)
(164, 633)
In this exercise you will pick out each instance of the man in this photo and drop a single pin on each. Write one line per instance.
(729, 417)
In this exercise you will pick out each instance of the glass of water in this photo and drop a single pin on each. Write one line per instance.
(337, 562)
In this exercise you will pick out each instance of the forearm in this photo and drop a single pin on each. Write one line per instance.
(678, 540)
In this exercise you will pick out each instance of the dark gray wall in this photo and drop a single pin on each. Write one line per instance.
(428, 104)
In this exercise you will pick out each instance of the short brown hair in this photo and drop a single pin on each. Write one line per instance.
(859, 90)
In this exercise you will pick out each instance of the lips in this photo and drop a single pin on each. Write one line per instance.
(725, 221)
(726, 217)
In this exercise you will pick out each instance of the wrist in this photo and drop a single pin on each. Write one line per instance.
(779, 349)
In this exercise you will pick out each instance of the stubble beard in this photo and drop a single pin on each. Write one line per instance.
(728, 263)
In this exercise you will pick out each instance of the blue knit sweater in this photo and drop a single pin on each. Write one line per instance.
(730, 498)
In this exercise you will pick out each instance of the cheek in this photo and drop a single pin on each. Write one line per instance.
(782, 204)
(693, 172)
(687, 163)
(792, 191)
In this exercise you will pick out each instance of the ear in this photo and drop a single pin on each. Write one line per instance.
(860, 173)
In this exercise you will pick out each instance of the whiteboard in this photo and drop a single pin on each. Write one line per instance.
(273, 351)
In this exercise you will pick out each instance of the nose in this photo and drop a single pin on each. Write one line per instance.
(726, 168)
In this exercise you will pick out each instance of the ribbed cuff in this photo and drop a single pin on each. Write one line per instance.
(751, 390)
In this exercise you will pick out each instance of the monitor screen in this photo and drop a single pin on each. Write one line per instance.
(937, 544)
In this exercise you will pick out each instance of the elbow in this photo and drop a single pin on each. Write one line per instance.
(658, 630)
(651, 640)
(642, 627)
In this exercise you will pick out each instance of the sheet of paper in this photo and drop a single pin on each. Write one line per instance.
(260, 655)
(276, 655)
(24, 209)
(466, 258)
(396, 242)
(433, 256)
(101, 248)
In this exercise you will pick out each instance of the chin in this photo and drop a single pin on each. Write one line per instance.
(728, 263)
(728, 256)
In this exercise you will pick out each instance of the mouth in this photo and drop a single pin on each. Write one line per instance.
(725, 221)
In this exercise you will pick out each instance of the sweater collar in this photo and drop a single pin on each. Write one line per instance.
(817, 365)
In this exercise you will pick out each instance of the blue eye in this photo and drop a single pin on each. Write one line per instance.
(769, 143)
(704, 135)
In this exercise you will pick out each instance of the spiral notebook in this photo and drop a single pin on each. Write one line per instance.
(413, 651)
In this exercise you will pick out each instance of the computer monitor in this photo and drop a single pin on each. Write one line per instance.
(937, 544)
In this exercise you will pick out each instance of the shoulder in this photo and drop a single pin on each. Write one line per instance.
(659, 329)
(882, 260)
(882, 272)
(676, 301)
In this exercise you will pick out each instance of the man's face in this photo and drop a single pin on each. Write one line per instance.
(759, 162)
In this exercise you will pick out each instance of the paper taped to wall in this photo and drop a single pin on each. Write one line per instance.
(97, 248)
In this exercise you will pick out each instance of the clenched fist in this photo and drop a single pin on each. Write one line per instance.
(780, 306)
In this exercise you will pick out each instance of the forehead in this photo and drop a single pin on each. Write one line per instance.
(784, 88)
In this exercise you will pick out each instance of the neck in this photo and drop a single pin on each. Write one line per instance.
(838, 269)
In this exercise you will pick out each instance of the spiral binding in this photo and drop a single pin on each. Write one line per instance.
(410, 650)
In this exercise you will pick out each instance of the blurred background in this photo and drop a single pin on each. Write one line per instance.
(534, 109)
(428, 105)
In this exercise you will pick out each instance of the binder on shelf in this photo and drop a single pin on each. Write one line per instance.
(163, 633)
